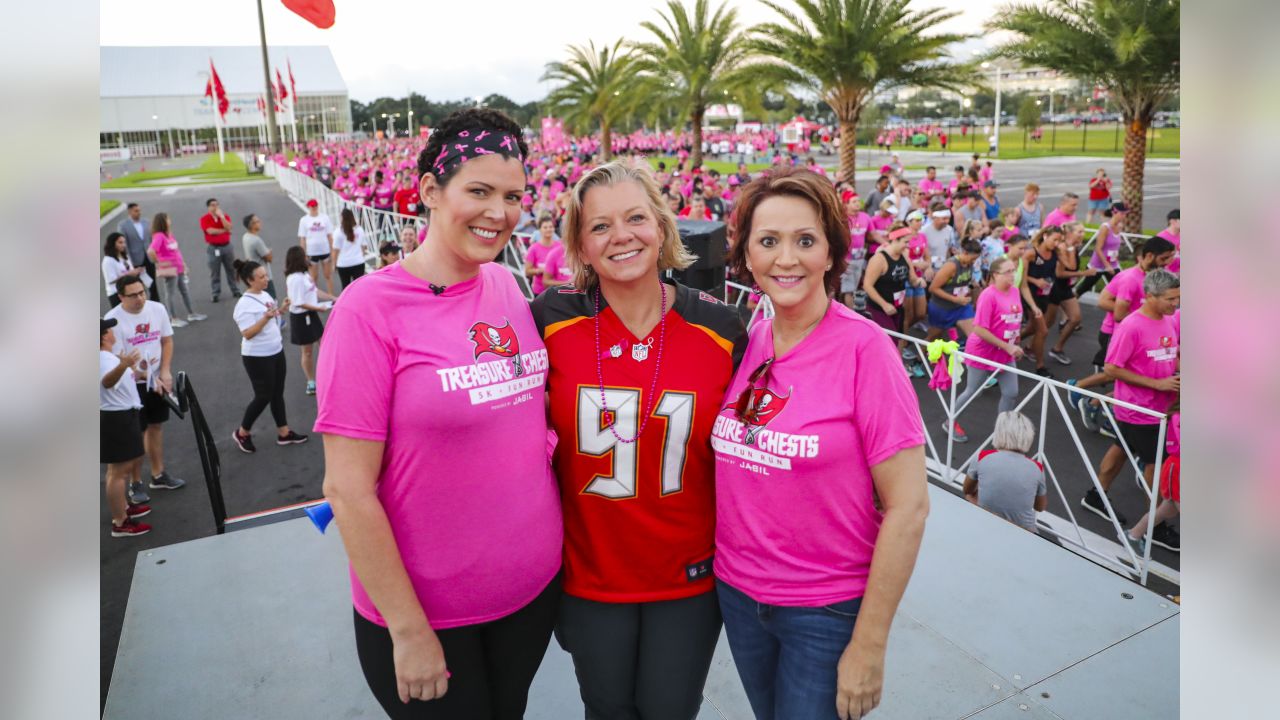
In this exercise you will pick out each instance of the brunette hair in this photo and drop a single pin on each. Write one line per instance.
(295, 260)
(109, 248)
(244, 269)
(160, 224)
(803, 184)
(348, 223)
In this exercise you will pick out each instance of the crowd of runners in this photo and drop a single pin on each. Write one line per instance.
(931, 254)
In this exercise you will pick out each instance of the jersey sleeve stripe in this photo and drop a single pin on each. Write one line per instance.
(554, 328)
(724, 344)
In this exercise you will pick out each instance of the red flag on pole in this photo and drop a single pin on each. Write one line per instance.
(219, 92)
(281, 92)
(292, 87)
(320, 13)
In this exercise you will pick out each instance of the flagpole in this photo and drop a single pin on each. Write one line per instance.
(273, 131)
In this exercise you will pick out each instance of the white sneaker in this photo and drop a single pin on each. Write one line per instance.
(196, 317)
(178, 322)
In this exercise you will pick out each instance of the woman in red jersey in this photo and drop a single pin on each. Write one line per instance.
(638, 369)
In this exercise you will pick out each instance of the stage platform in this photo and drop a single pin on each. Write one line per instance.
(996, 624)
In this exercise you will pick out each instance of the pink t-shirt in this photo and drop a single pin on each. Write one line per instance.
(881, 223)
(835, 405)
(557, 265)
(537, 257)
(453, 384)
(166, 250)
(1149, 348)
(1126, 285)
(930, 186)
(1057, 217)
(1177, 243)
(858, 226)
(1001, 313)
(917, 248)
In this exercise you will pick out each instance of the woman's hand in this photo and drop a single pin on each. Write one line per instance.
(420, 667)
(1015, 350)
(859, 681)
(889, 309)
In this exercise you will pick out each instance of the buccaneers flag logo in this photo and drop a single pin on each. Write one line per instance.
(762, 406)
(500, 341)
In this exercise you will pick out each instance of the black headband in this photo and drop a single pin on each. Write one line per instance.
(467, 144)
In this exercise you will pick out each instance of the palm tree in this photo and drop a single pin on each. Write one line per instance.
(1129, 47)
(695, 58)
(598, 88)
(847, 51)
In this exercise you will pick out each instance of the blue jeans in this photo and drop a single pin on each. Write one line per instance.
(787, 656)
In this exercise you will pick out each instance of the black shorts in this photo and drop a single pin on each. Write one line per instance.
(1060, 293)
(1104, 342)
(305, 328)
(120, 436)
(154, 409)
(1043, 301)
(1142, 439)
(318, 258)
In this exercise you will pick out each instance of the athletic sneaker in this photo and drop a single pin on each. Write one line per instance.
(917, 369)
(1088, 414)
(991, 381)
(1092, 502)
(311, 387)
(130, 528)
(1167, 537)
(196, 317)
(178, 322)
(1062, 322)
(1073, 398)
(909, 354)
(164, 481)
(292, 438)
(244, 442)
(920, 325)
(957, 432)
(137, 495)
(1061, 358)
(1105, 428)
(1044, 373)
(136, 511)
(1139, 545)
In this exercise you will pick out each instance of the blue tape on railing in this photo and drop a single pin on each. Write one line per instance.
(321, 515)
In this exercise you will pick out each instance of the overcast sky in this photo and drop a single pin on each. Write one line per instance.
(443, 50)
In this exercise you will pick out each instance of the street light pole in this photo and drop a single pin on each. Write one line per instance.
(155, 120)
(273, 132)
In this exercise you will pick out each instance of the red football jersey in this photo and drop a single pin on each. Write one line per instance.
(639, 517)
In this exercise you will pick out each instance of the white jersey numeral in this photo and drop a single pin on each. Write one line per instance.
(595, 438)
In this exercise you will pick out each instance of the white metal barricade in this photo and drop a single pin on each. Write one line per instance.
(943, 469)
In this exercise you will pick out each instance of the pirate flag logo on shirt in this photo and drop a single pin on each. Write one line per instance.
(762, 405)
(500, 341)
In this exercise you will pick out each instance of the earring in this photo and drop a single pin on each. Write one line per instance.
(749, 268)
(829, 266)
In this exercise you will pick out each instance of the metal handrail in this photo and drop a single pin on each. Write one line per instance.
(1118, 554)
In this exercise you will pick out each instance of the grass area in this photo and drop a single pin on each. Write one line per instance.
(209, 171)
(106, 206)
(1095, 141)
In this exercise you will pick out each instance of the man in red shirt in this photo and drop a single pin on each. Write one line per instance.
(217, 238)
(407, 195)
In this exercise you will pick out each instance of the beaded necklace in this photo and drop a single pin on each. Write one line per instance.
(653, 386)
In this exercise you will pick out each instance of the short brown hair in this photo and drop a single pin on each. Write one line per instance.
(804, 184)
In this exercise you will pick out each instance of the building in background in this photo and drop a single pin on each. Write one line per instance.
(153, 101)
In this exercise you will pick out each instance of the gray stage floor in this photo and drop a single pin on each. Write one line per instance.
(996, 623)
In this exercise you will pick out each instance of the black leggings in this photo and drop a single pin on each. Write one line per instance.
(491, 665)
(640, 661)
(348, 274)
(266, 374)
(1088, 284)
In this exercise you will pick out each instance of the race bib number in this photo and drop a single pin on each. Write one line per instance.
(899, 296)
(962, 291)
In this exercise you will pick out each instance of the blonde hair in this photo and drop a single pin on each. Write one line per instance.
(672, 255)
(1013, 432)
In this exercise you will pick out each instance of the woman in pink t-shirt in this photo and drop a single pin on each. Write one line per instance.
(535, 260)
(997, 324)
(170, 269)
(820, 420)
(431, 402)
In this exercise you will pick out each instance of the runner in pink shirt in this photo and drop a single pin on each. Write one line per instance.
(930, 183)
(1143, 361)
(1065, 212)
(821, 420)
(997, 325)
(535, 260)
(1173, 233)
(431, 402)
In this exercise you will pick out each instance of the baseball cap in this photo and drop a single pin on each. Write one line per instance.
(104, 323)
(990, 183)
(313, 203)
(1119, 208)
(888, 204)
(915, 215)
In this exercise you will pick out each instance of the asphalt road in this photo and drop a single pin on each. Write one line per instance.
(276, 476)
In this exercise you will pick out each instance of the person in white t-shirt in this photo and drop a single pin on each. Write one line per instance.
(315, 236)
(349, 240)
(116, 264)
(305, 298)
(145, 327)
(120, 433)
(262, 351)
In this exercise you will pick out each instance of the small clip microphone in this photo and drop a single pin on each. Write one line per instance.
(437, 289)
